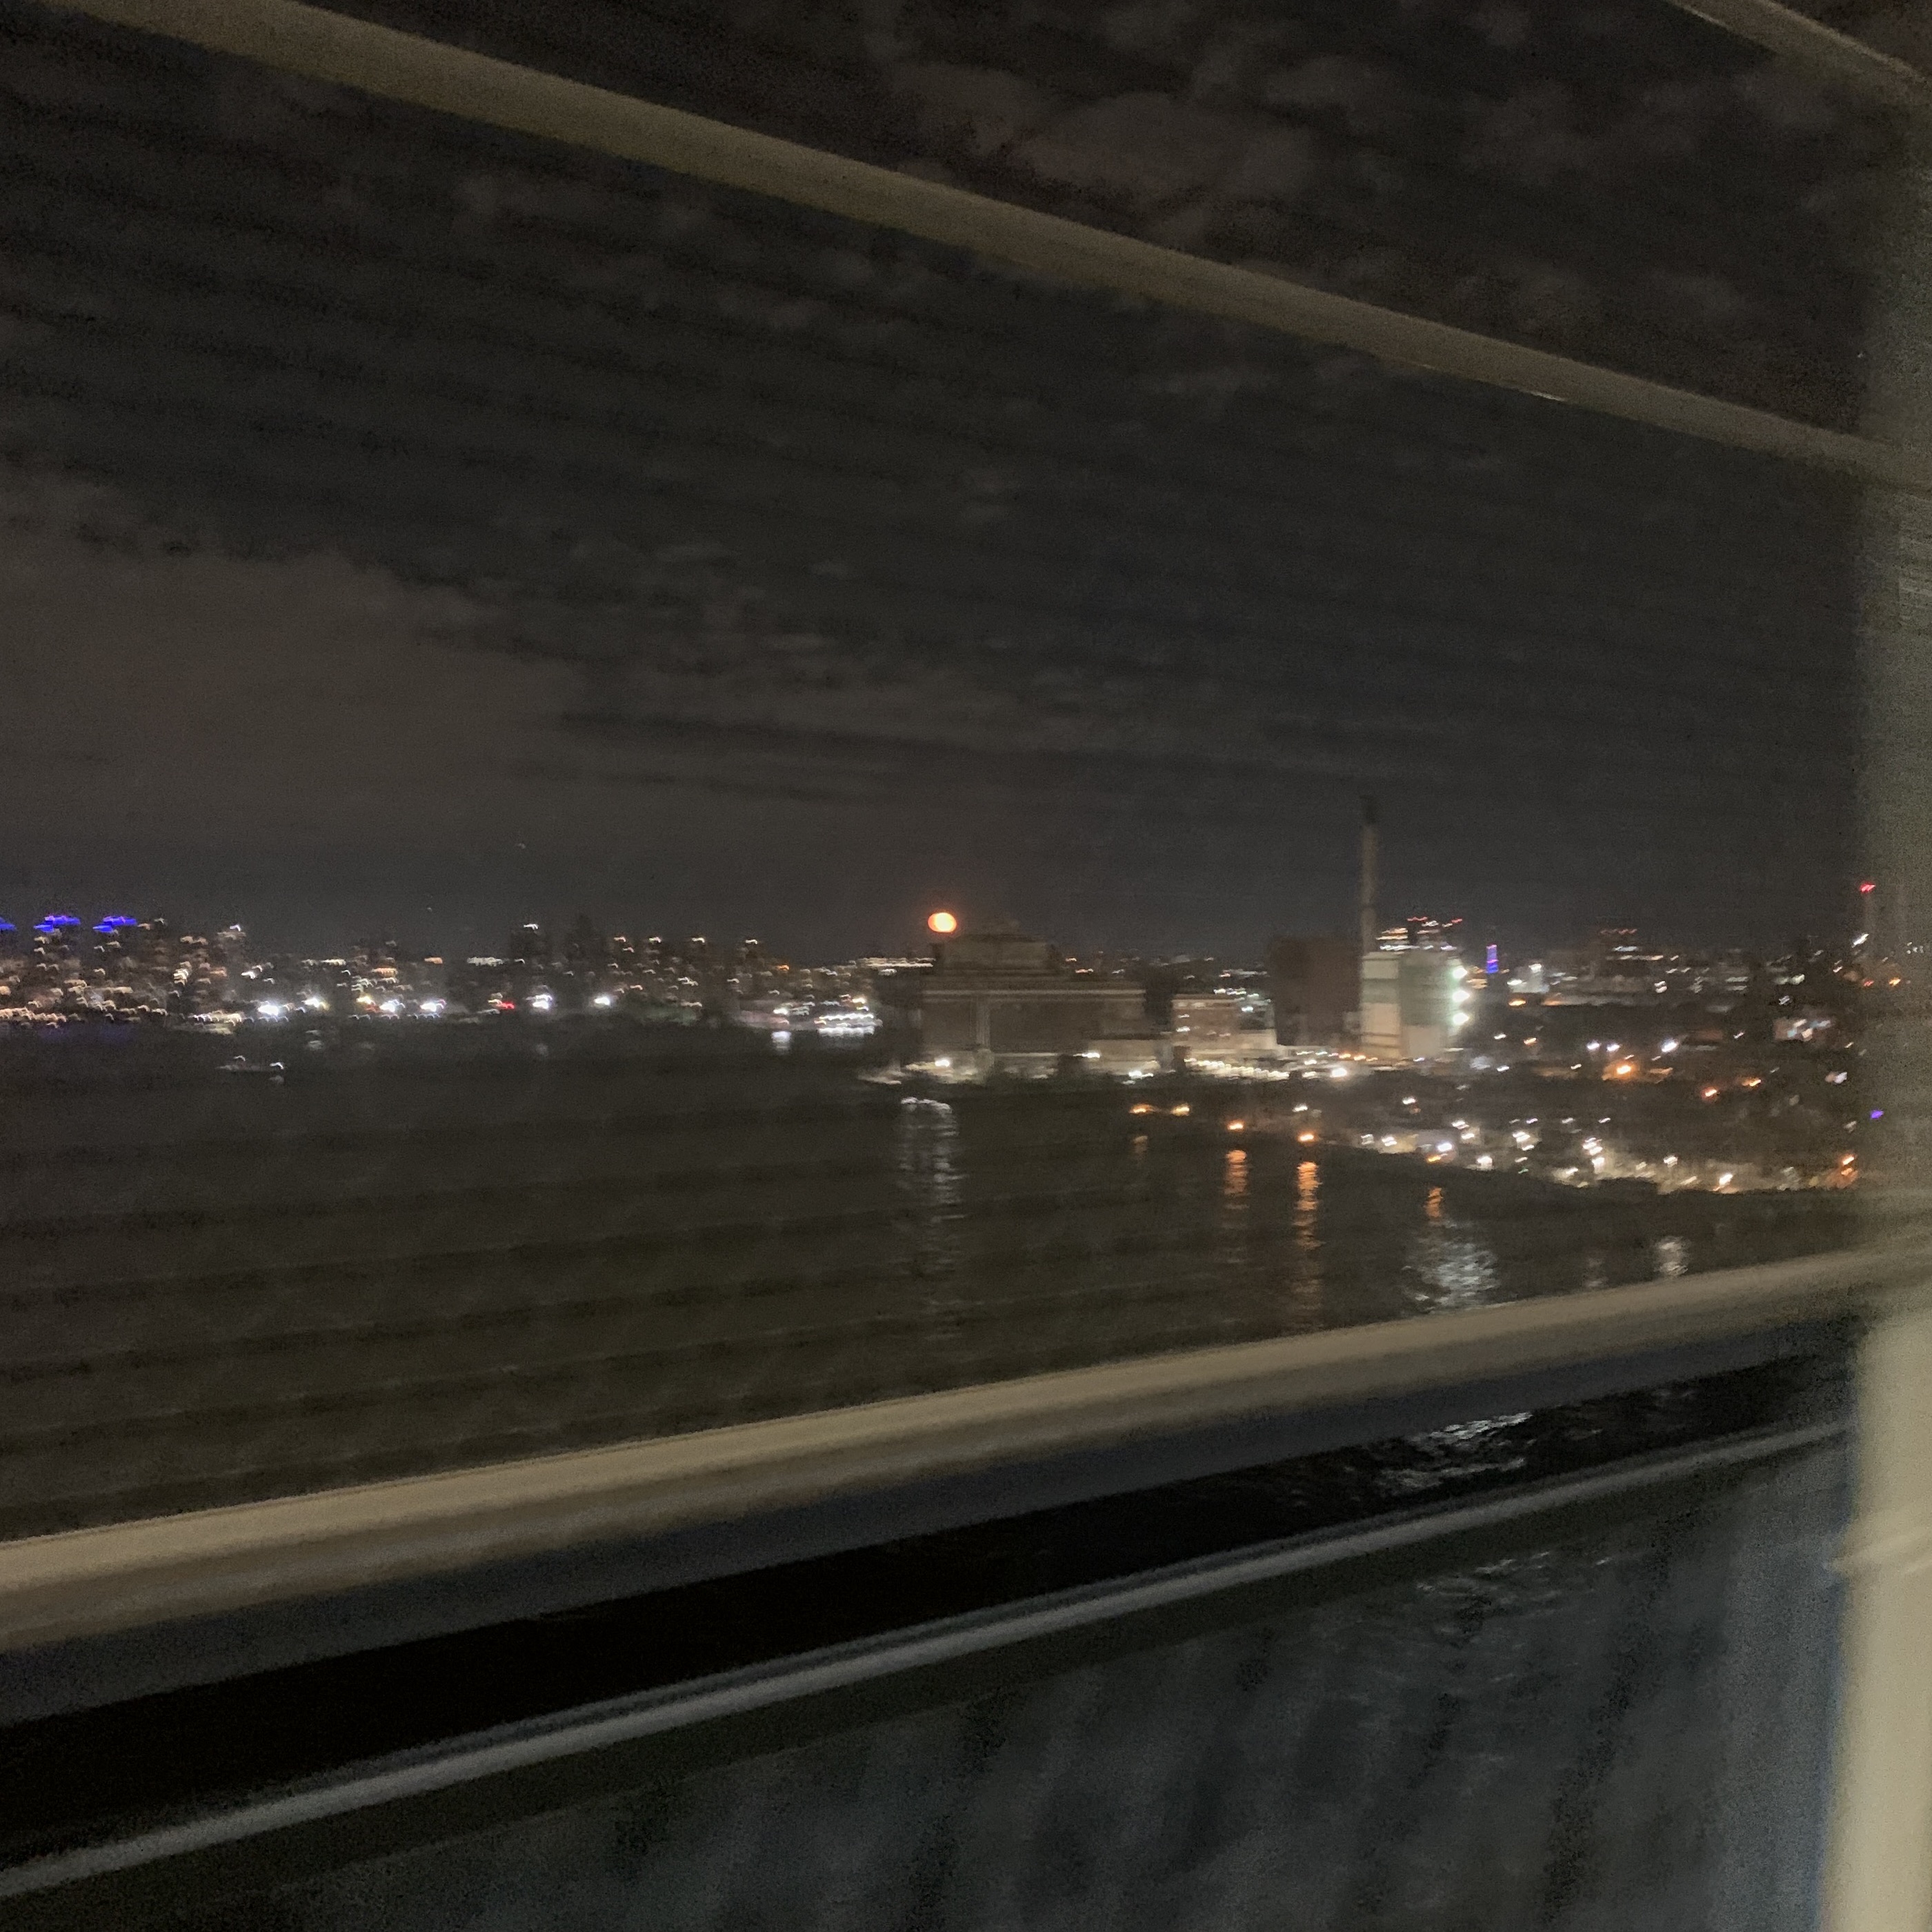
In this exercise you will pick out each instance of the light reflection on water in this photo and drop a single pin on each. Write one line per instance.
(1305, 1257)
(931, 1179)
(1307, 1209)
(1449, 1263)
(1489, 1445)
(1235, 1206)
(1176, 1234)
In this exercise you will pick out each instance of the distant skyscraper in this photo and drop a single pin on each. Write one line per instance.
(584, 947)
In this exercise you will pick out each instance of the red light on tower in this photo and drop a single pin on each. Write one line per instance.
(942, 923)
(1868, 886)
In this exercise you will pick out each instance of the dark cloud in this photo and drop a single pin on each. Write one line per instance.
(403, 517)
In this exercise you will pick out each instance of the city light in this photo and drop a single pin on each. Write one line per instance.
(118, 968)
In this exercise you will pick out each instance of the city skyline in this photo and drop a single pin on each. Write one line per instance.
(1676, 1073)
(343, 940)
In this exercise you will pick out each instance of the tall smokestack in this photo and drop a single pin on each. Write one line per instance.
(1371, 823)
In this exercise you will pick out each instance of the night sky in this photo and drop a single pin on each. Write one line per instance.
(406, 526)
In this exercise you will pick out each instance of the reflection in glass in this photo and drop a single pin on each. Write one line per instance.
(1670, 1256)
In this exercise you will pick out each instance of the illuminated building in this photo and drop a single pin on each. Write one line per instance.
(1230, 1027)
(1418, 931)
(1414, 990)
(1207, 1019)
(1135, 1056)
(1001, 1001)
(57, 937)
(1412, 1002)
